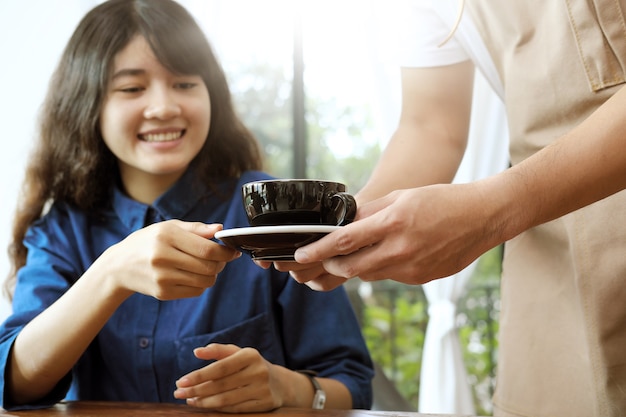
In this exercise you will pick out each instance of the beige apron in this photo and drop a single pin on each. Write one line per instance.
(563, 322)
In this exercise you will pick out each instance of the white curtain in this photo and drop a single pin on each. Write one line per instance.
(443, 383)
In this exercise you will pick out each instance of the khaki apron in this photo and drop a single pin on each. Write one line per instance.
(563, 321)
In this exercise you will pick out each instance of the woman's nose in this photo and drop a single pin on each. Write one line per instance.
(162, 105)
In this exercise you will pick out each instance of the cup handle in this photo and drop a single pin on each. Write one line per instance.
(342, 208)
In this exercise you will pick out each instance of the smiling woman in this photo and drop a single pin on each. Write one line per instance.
(155, 122)
(137, 163)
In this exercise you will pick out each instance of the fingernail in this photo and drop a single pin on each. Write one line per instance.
(301, 256)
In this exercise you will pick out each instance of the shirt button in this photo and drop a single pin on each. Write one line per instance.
(144, 342)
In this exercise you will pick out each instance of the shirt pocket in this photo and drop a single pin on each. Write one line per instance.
(600, 31)
(256, 332)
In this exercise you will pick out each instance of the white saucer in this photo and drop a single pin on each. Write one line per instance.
(273, 243)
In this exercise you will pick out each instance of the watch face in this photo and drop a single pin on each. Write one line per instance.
(319, 400)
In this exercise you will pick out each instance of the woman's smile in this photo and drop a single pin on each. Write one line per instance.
(161, 137)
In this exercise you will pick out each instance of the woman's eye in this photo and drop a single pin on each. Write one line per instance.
(186, 86)
(131, 89)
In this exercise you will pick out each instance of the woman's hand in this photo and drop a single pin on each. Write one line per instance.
(167, 260)
(240, 380)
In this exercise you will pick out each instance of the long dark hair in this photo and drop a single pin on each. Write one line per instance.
(70, 162)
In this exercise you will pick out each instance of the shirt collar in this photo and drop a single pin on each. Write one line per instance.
(175, 203)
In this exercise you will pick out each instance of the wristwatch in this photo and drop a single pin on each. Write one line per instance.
(319, 398)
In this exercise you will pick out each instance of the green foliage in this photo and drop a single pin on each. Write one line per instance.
(478, 328)
(336, 146)
(395, 320)
(394, 325)
(262, 96)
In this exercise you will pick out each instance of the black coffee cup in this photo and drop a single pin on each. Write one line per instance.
(297, 202)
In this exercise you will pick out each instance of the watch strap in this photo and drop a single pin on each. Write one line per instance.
(319, 396)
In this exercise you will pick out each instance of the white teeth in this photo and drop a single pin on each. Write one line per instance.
(162, 137)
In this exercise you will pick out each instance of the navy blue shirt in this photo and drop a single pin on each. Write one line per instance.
(148, 344)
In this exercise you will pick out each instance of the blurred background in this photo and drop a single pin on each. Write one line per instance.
(318, 83)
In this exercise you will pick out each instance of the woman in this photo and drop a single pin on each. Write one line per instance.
(139, 162)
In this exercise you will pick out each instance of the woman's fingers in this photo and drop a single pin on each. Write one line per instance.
(237, 382)
(169, 260)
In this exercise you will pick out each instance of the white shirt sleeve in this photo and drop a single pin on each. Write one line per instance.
(421, 32)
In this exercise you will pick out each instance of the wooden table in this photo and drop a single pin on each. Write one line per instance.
(123, 409)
